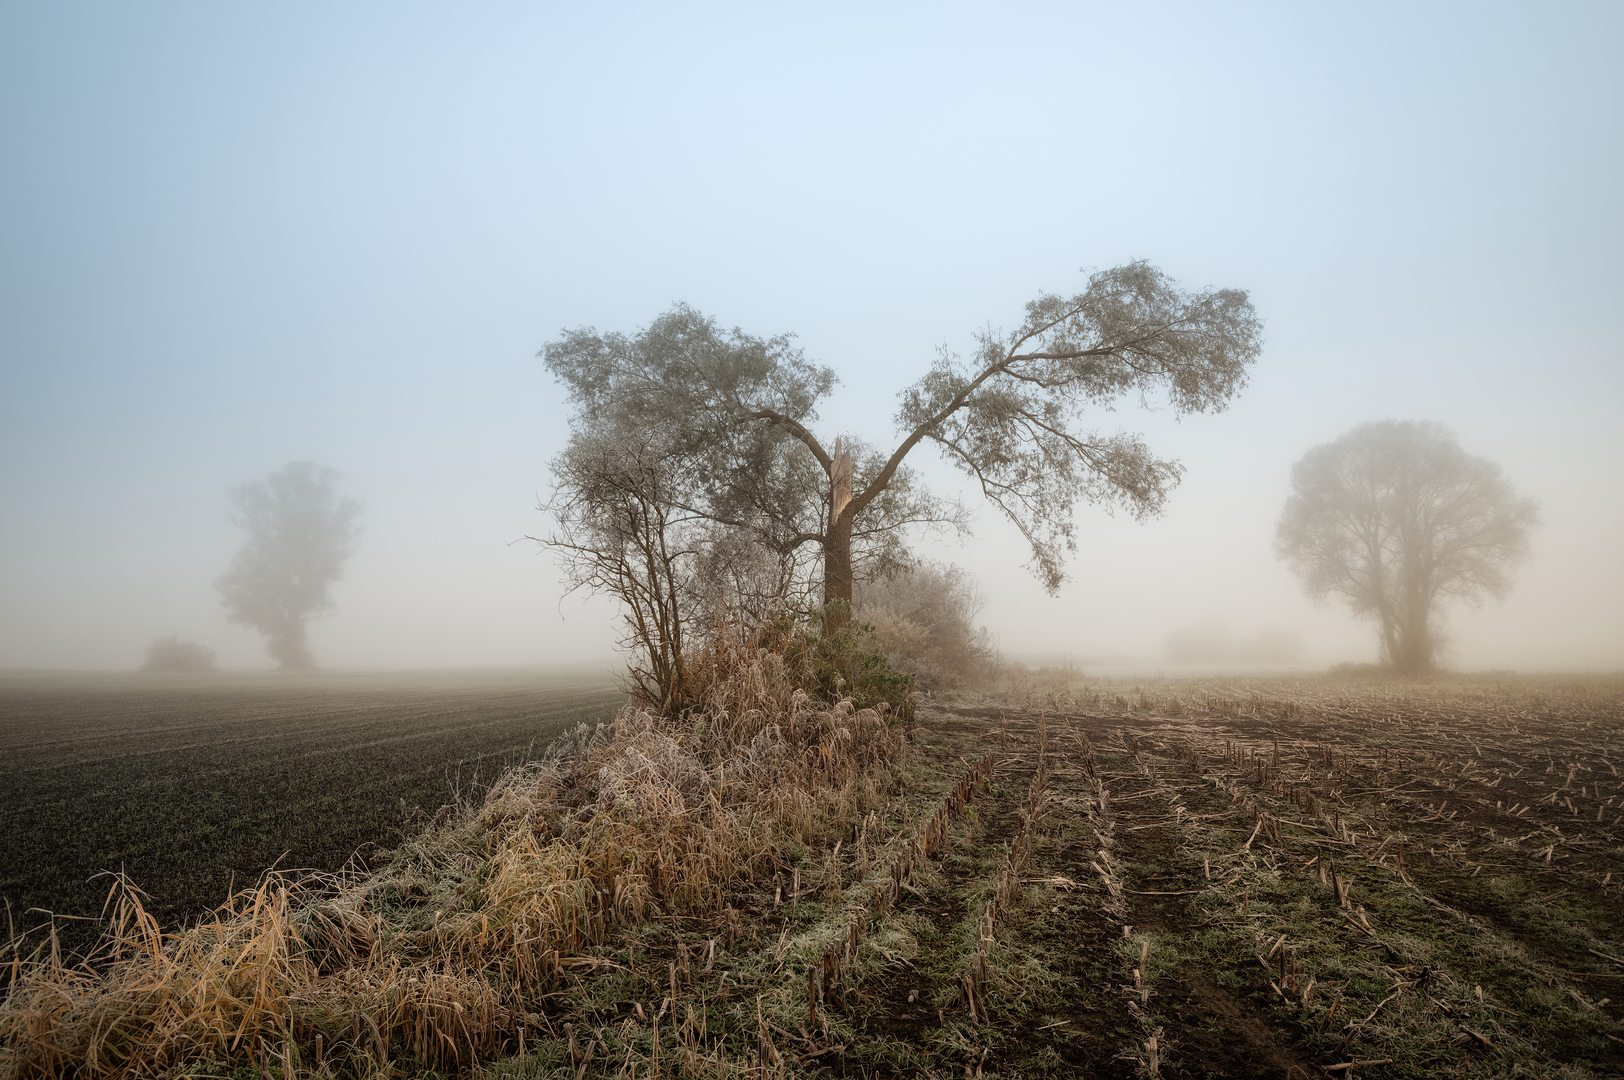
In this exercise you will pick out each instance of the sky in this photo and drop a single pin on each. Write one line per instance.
(235, 236)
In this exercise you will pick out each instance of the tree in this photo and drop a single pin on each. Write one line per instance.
(1395, 517)
(738, 409)
(300, 532)
(620, 531)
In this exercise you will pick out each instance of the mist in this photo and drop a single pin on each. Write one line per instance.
(237, 238)
(1220, 643)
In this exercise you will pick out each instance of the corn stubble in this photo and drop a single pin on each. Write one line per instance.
(1338, 834)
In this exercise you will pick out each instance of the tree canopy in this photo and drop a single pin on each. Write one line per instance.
(300, 533)
(736, 412)
(1395, 517)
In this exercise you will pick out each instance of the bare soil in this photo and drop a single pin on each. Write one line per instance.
(1492, 948)
(191, 784)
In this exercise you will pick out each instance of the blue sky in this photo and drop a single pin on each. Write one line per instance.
(231, 237)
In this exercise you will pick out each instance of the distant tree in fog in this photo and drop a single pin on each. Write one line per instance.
(172, 654)
(300, 532)
(1395, 517)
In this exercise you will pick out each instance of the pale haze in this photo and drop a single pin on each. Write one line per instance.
(235, 236)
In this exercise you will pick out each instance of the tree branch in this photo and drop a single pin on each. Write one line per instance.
(797, 429)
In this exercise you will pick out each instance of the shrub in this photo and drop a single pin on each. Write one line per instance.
(742, 670)
(923, 621)
(172, 654)
(850, 663)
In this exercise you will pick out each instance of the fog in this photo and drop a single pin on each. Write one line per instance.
(236, 237)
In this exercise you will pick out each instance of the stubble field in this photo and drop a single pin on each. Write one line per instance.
(193, 784)
(1284, 879)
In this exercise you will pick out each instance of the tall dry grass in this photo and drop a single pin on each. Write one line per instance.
(435, 959)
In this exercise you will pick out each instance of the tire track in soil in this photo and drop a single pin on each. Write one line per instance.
(1210, 1030)
(1209, 1023)
(1076, 1025)
(1092, 1026)
(904, 1007)
(1451, 833)
(1448, 842)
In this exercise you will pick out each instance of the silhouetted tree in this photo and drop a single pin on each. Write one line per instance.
(1395, 517)
(737, 409)
(300, 532)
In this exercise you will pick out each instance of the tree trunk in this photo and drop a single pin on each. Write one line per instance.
(1392, 632)
(288, 646)
(837, 579)
(837, 573)
(1416, 639)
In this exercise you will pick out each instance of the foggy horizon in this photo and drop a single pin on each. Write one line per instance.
(236, 239)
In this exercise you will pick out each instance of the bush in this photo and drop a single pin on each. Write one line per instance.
(742, 670)
(850, 663)
(923, 621)
(173, 654)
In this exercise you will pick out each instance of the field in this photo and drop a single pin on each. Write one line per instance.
(1276, 879)
(1259, 878)
(190, 784)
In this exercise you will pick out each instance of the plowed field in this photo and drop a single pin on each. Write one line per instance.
(192, 783)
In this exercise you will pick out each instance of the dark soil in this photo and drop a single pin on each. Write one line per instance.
(194, 785)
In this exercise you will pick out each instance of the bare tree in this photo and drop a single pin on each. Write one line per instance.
(1395, 517)
(743, 406)
(300, 533)
(620, 530)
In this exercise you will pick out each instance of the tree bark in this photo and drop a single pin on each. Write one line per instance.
(1392, 636)
(837, 578)
(1416, 638)
(837, 569)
